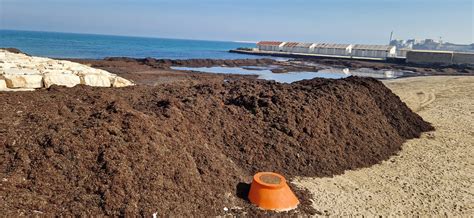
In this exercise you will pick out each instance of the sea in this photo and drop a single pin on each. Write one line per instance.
(91, 46)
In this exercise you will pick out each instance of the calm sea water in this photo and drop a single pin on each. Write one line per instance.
(68, 45)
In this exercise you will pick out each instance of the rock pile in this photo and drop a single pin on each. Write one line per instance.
(22, 72)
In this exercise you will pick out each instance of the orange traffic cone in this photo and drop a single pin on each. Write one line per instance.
(270, 191)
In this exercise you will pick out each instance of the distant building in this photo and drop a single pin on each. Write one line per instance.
(296, 47)
(407, 49)
(401, 43)
(304, 47)
(374, 51)
(269, 45)
(431, 44)
(363, 51)
(331, 49)
(403, 52)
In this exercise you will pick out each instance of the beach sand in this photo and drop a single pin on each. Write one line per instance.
(432, 175)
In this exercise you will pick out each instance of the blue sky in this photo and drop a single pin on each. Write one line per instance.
(345, 21)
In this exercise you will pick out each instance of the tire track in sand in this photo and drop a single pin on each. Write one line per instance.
(432, 175)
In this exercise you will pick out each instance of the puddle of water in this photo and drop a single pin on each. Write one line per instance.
(366, 72)
(267, 74)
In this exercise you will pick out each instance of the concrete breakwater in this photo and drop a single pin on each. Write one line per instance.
(417, 57)
(306, 55)
(20, 72)
(440, 57)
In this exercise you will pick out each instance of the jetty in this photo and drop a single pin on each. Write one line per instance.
(383, 53)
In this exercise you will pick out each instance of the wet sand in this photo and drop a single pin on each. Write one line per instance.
(431, 175)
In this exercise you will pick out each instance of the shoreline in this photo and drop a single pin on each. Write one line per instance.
(153, 69)
(136, 66)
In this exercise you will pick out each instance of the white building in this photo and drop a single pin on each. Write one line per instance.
(269, 46)
(296, 47)
(402, 52)
(288, 46)
(303, 47)
(331, 49)
(374, 51)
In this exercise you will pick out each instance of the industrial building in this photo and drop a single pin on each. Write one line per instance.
(269, 45)
(331, 49)
(374, 51)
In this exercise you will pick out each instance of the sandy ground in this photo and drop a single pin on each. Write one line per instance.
(433, 175)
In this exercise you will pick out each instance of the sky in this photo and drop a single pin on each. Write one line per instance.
(337, 21)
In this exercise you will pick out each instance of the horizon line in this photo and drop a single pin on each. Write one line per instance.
(189, 39)
(130, 36)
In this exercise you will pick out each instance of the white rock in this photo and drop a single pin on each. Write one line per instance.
(103, 72)
(40, 68)
(16, 71)
(55, 66)
(78, 68)
(27, 66)
(24, 81)
(62, 71)
(24, 72)
(8, 65)
(120, 82)
(68, 80)
(41, 60)
(91, 71)
(3, 84)
(96, 80)
(17, 90)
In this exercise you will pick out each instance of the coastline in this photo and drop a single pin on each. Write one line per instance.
(158, 71)
(149, 67)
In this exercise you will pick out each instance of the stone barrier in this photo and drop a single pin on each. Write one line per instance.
(22, 72)
(430, 57)
(463, 58)
(439, 57)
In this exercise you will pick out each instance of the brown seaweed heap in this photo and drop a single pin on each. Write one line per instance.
(185, 149)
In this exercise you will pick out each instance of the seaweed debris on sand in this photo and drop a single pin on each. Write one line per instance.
(187, 148)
